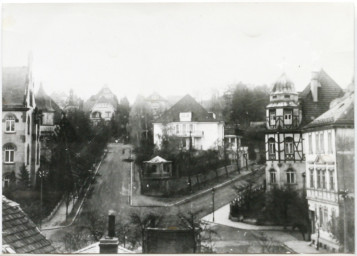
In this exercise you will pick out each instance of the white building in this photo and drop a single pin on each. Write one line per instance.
(329, 143)
(188, 120)
(102, 106)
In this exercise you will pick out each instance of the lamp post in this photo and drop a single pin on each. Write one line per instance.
(131, 160)
(42, 174)
(213, 204)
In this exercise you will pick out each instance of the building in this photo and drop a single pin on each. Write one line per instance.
(286, 114)
(157, 104)
(190, 122)
(19, 234)
(50, 116)
(233, 147)
(20, 136)
(101, 106)
(171, 234)
(72, 103)
(329, 150)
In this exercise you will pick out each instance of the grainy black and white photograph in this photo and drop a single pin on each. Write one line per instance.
(169, 127)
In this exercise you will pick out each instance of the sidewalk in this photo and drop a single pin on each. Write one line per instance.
(276, 232)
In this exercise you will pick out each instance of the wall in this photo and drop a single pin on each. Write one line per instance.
(160, 187)
(281, 177)
(103, 108)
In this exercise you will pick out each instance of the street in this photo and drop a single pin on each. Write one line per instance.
(112, 187)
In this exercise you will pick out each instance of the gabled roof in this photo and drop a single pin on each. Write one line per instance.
(47, 104)
(328, 91)
(105, 95)
(186, 104)
(157, 160)
(14, 86)
(341, 113)
(20, 233)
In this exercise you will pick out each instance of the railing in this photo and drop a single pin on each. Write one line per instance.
(322, 194)
(190, 134)
(280, 123)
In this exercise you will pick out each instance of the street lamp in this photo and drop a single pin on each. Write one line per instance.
(212, 204)
(42, 174)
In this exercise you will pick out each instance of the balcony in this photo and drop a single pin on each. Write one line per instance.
(195, 134)
(280, 123)
(322, 195)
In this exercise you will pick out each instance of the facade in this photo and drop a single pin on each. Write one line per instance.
(190, 122)
(286, 114)
(20, 136)
(157, 104)
(19, 234)
(50, 116)
(329, 166)
(102, 106)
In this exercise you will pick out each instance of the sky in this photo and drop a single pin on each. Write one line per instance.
(177, 48)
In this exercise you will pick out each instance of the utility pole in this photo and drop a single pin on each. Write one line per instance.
(213, 205)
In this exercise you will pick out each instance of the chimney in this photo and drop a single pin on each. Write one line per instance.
(314, 85)
(109, 244)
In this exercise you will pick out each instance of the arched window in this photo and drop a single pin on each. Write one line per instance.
(271, 148)
(10, 123)
(290, 176)
(28, 155)
(272, 176)
(289, 146)
(9, 150)
(28, 125)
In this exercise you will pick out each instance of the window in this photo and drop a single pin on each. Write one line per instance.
(9, 154)
(332, 183)
(272, 117)
(317, 148)
(322, 148)
(288, 116)
(323, 179)
(184, 129)
(321, 216)
(272, 176)
(177, 129)
(28, 155)
(10, 124)
(289, 146)
(318, 178)
(38, 154)
(6, 182)
(287, 96)
(271, 148)
(329, 141)
(311, 178)
(310, 144)
(28, 125)
(290, 176)
(325, 218)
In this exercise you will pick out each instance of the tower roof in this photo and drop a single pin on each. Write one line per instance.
(283, 85)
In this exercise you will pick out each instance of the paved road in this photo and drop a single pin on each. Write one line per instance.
(111, 192)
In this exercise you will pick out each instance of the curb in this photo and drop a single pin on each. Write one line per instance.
(80, 206)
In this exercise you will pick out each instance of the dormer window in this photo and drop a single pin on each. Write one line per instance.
(185, 116)
(274, 97)
(288, 116)
(287, 96)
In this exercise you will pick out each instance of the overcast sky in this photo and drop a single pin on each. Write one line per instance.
(177, 48)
